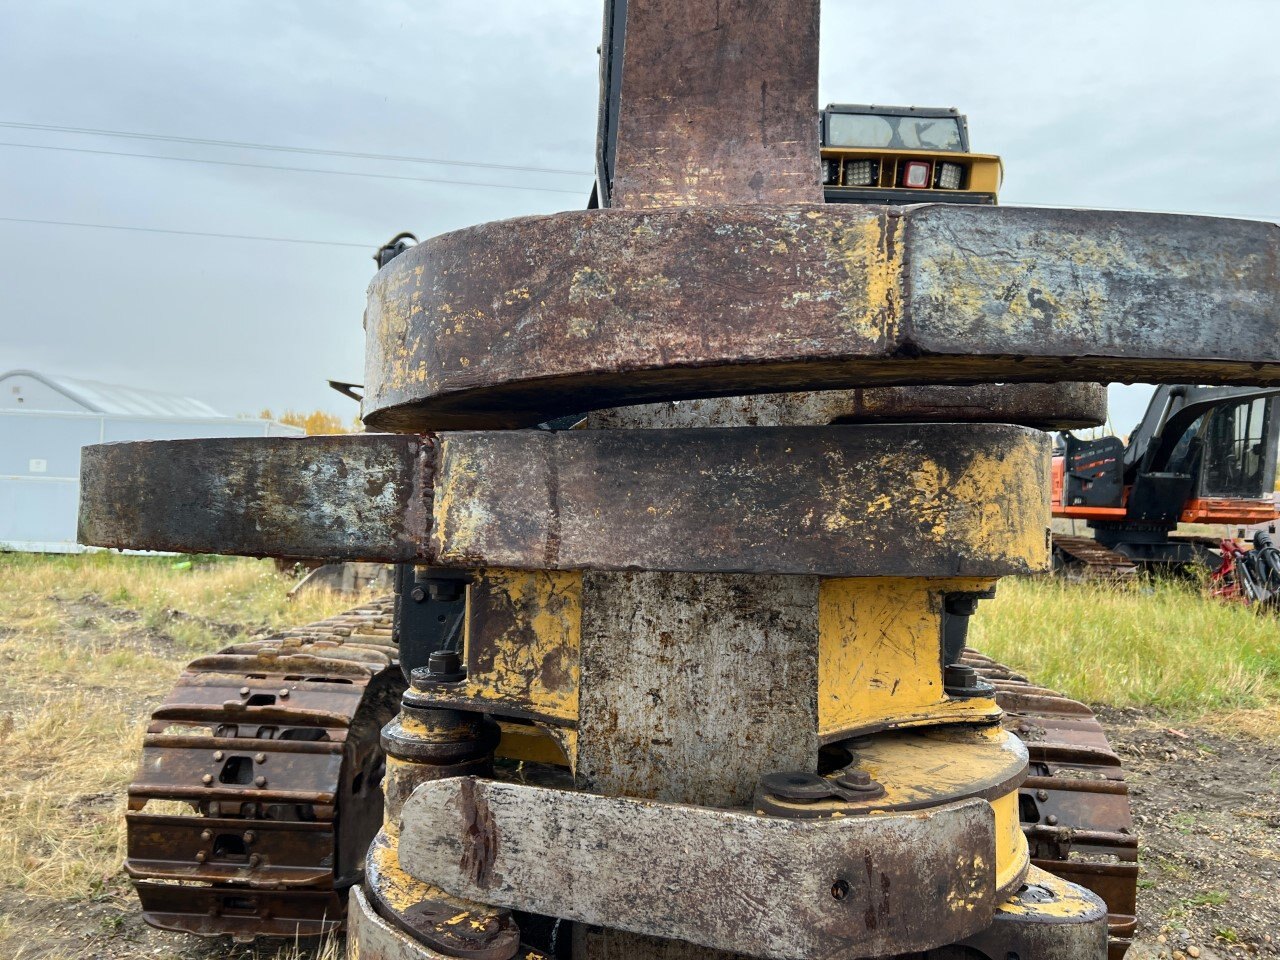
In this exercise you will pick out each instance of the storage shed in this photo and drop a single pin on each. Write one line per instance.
(45, 420)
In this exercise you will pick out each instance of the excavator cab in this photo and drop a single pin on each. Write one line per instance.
(1199, 455)
(1241, 455)
(875, 154)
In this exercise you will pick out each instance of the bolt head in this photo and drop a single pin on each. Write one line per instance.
(259, 758)
(244, 691)
(260, 781)
(444, 661)
(250, 836)
(418, 594)
(206, 835)
(1051, 820)
(284, 693)
(217, 754)
(207, 778)
(961, 676)
(201, 857)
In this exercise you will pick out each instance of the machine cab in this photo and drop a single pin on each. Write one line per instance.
(874, 154)
(1200, 455)
(1230, 452)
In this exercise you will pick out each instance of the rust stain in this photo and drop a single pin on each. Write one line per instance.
(479, 835)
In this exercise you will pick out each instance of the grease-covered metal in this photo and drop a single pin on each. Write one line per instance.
(510, 323)
(729, 879)
(830, 501)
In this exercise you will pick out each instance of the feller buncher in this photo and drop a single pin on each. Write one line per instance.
(1199, 455)
(355, 655)
(687, 674)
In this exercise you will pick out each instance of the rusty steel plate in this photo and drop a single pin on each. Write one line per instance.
(763, 886)
(1045, 406)
(714, 103)
(312, 498)
(511, 323)
(970, 500)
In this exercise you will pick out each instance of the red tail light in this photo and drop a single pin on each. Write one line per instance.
(916, 174)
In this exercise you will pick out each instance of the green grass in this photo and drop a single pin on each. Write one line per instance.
(1211, 898)
(1152, 644)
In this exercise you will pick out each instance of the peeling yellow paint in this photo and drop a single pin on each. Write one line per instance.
(399, 891)
(880, 656)
(534, 665)
(1012, 854)
(997, 505)
(1066, 901)
(589, 284)
(869, 293)
(456, 519)
(924, 767)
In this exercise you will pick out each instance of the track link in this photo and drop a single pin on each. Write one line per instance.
(260, 783)
(1074, 806)
(1085, 557)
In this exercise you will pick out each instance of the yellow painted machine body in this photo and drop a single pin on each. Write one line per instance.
(880, 679)
(875, 154)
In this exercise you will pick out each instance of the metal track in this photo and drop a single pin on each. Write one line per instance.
(260, 783)
(1085, 557)
(1074, 806)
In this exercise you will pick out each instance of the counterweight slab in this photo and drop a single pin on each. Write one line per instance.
(835, 501)
(511, 323)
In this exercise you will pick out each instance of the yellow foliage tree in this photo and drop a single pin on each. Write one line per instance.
(314, 422)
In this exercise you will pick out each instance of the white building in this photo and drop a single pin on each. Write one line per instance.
(45, 420)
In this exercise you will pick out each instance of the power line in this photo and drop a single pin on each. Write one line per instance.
(317, 151)
(190, 233)
(271, 166)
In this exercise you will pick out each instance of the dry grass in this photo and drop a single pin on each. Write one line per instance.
(61, 833)
(89, 645)
(330, 948)
(1260, 724)
(1160, 644)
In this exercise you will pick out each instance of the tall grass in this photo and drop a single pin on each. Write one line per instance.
(89, 645)
(1158, 643)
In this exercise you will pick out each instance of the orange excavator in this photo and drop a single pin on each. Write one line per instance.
(1202, 455)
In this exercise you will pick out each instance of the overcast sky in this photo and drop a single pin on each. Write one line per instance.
(1148, 105)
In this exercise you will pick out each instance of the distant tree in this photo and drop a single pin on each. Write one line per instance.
(315, 422)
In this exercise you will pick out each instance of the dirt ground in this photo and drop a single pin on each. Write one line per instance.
(1207, 808)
